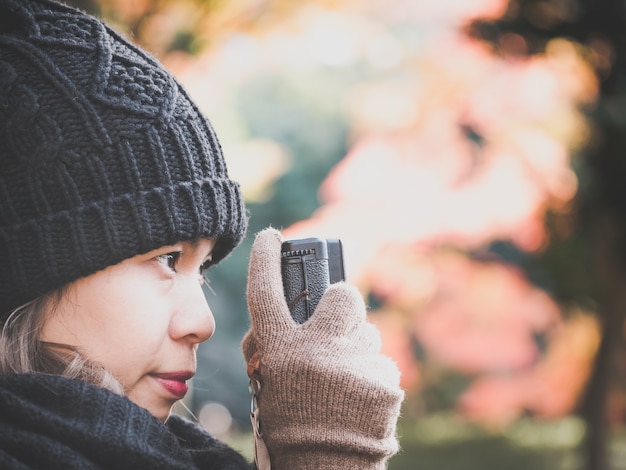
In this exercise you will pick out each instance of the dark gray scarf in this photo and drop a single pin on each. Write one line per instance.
(49, 422)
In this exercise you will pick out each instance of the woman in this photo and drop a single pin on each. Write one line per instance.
(114, 199)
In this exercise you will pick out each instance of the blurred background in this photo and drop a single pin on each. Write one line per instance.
(472, 156)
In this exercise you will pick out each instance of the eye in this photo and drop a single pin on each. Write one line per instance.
(206, 265)
(170, 260)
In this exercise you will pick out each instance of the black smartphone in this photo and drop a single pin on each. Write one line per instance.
(309, 266)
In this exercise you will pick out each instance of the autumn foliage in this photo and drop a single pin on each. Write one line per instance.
(454, 147)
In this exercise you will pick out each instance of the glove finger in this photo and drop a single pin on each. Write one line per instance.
(340, 309)
(368, 338)
(388, 371)
(266, 299)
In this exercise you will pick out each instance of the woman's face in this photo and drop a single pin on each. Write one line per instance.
(142, 319)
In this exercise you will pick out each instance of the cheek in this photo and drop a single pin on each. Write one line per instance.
(114, 323)
(133, 320)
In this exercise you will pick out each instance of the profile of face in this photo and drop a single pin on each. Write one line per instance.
(142, 319)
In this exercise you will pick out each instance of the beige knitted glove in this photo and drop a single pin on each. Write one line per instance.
(328, 399)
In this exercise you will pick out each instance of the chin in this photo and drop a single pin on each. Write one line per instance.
(161, 413)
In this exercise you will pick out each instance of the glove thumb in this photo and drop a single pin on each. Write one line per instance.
(248, 345)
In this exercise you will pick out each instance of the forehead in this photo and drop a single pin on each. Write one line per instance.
(200, 244)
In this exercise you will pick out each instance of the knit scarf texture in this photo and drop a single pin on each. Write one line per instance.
(50, 422)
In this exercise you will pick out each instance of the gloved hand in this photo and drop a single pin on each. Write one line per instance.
(328, 399)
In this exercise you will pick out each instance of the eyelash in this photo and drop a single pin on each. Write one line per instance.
(171, 260)
(204, 267)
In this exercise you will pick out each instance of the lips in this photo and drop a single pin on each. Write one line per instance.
(174, 383)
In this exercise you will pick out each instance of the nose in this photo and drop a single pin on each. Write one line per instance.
(192, 319)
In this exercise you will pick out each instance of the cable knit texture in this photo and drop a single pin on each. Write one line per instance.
(56, 423)
(328, 398)
(103, 156)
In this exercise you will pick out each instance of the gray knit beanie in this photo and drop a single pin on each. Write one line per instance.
(103, 156)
